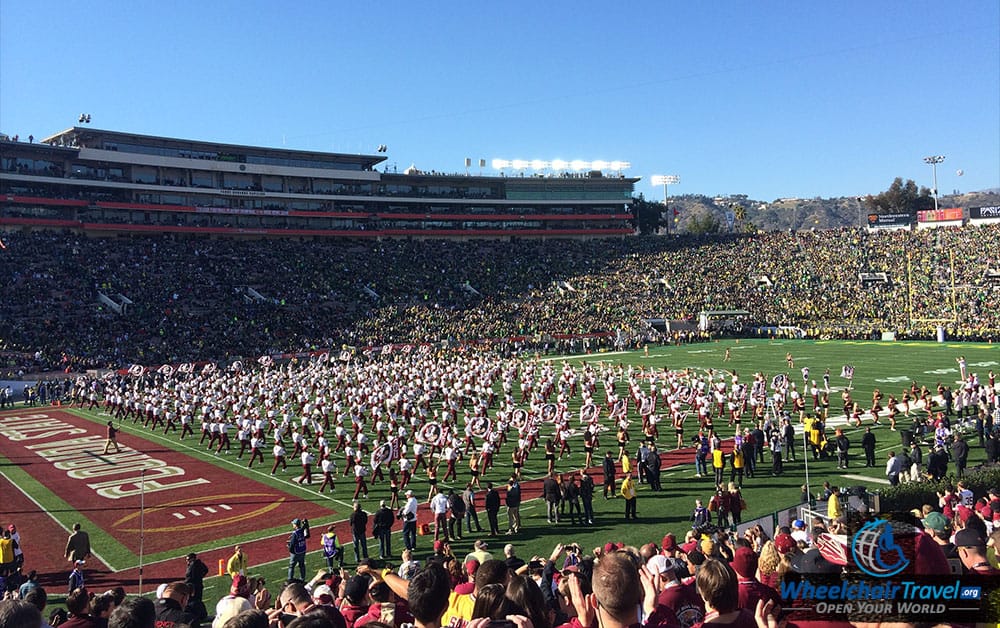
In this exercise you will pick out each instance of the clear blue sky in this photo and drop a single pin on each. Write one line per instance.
(766, 98)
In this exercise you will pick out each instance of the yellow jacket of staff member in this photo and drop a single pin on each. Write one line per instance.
(718, 459)
(815, 437)
(737, 458)
(833, 510)
(628, 488)
(237, 564)
(626, 464)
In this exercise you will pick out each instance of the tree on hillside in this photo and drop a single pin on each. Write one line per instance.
(703, 222)
(900, 198)
(647, 215)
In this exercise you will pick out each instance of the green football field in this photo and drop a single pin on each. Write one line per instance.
(888, 366)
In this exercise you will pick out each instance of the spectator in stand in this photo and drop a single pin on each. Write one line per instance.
(170, 607)
(751, 591)
(78, 605)
(231, 605)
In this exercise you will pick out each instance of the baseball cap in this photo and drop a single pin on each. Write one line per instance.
(471, 566)
(12, 528)
(79, 562)
(323, 594)
(784, 543)
(239, 586)
(935, 521)
(438, 546)
(480, 544)
(657, 564)
(967, 537)
(669, 542)
(798, 523)
(744, 562)
(356, 588)
(296, 522)
(191, 556)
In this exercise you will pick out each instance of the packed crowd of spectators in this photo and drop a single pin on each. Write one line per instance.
(711, 577)
(190, 302)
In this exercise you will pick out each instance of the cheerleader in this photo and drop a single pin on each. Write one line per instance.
(517, 461)
(432, 480)
(474, 471)
(550, 456)
(623, 440)
(393, 489)
(588, 448)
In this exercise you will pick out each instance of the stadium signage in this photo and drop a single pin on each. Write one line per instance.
(246, 212)
(993, 211)
(874, 589)
(877, 221)
(945, 214)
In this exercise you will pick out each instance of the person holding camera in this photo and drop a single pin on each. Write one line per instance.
(297, 548)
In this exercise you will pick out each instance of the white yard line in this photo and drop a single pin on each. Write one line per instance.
(51, 516)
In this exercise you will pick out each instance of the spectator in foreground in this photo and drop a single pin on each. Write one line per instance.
(78, 605)
(19, 614)
(134, 612)
(617, 592)
(428, 593)
(718, 586)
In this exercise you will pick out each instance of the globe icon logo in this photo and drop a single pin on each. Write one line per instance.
(875, 550)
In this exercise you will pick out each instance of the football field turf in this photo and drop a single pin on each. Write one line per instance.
(44, 495)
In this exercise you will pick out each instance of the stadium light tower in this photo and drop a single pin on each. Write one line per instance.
(665, 180)
(934, 160)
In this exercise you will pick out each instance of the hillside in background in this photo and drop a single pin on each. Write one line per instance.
(695, 210)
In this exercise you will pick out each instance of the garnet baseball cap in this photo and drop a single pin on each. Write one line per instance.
(784, 543)
(669, 543)
(471, 566)
(438, 546)
(744, 562)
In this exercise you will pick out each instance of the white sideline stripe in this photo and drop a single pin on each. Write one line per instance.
(195, 513)
(179, 515)
(225, 506)
(42, 509)
(209, 509)
(865, 478)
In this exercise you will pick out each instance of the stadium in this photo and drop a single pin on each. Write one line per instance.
(206, 307)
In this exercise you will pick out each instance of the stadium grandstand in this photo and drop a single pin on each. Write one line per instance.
(110, 182)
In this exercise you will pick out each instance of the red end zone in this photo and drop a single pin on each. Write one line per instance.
(186, 501)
